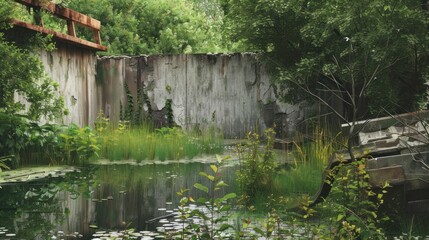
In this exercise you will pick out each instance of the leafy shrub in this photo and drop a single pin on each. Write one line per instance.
(31, 143)
(26, 139)
(155, 26)
(78, 144)
(257, 167)
(354, 203)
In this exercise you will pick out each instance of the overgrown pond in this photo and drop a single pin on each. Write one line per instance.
(109, 197)
(99, 197)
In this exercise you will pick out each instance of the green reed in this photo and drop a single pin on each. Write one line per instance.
(143, 143)
(311, 155)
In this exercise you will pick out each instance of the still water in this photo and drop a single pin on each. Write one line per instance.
(98, 197)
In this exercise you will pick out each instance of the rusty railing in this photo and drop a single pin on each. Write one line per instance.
(71, 17)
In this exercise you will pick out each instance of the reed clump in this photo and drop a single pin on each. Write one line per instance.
(310, 156)
(143, 142)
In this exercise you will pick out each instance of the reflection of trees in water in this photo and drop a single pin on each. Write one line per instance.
(147, 188)
(32, 210)
(111, 197)
(27, 211)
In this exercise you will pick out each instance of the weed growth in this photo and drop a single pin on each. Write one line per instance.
(78, 144)
(30, 143)
(143, 142)
(310, 158)
(213, 207)
(350, 212)
(257, 167)
(352, 207)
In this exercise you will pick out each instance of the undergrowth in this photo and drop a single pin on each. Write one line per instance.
(143, 142)
(310, 158)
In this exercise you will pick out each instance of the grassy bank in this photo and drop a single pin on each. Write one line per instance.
(143, 142)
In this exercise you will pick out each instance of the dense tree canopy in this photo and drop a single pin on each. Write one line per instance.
(379, 46)
(157, 26)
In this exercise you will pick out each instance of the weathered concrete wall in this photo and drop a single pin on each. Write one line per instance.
(75, 71)
(231, 92)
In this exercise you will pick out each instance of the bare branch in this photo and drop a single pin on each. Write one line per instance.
(366, 84)
(322, 101)
(335, 93)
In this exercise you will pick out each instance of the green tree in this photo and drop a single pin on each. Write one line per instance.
(22, 73)
(6, 12)
(24, 87)
(372, 52)
(155, 26)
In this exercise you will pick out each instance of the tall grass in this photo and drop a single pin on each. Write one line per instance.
(311, 156)
(143, 143)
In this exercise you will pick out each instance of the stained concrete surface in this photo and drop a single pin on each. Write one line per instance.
(228, 92)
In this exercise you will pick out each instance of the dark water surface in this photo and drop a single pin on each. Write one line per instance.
(99, 197)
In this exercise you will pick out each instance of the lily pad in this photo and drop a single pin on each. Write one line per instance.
(93, 226)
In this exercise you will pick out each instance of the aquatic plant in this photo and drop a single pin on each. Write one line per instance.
(310, 158)
(257, 167)
(143, 142)
(214, 220)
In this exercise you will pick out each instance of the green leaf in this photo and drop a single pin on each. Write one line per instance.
(93, 226)
(219, 158)
(201, 187)
(224, 227)
(184, 200)
(229, 196)
(225, 208)
(259, 231)
(221, 184)
(214, 168)
(195, 226)
(201, 200)
(210, 177)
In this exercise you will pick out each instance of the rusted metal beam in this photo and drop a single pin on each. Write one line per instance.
(64, 13)
(71, 29)
(97, 38)
(61, 36)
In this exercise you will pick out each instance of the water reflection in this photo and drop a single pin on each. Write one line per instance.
(111, 197)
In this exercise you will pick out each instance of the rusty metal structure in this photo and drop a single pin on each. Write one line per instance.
(397, 151)
(73, 63)
(71, 17)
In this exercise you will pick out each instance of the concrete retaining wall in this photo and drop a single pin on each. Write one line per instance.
(75, 71)
(231, 92)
